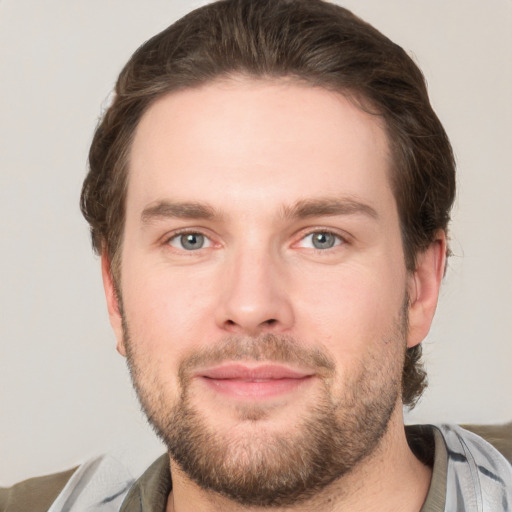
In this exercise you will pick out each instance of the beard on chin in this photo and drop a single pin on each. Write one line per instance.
(258, 465)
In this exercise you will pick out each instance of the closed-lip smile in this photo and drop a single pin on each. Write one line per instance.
(249, 381)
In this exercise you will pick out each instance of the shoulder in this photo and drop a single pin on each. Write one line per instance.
(500, 436)
(35, 494)
(478, 476)
(478, 446)
(470, 471)
(99, 483)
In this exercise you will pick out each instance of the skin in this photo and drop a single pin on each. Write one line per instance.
(250, 150)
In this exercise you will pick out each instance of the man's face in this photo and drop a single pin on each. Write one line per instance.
(263, 285)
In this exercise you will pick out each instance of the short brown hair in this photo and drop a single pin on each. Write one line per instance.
(315, 42)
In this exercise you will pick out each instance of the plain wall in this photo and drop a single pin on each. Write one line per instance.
(64, 391)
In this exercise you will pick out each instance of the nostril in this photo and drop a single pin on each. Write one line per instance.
(270, 321)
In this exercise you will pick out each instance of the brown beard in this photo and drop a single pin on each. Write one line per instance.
(269, 468)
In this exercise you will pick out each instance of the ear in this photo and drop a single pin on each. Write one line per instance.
(423, 288)
(114, 310)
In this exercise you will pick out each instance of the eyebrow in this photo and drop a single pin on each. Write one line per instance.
(307, 208)
(170, 209)
(302, 209)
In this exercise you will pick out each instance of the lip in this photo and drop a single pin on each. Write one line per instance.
(260, 372)
(259, 382)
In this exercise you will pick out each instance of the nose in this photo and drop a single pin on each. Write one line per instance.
(254, 296)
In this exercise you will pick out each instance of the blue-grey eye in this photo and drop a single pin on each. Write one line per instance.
(192, 241)
(189, 241)
(321, 240)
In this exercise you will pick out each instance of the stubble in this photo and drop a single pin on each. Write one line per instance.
(342, 425)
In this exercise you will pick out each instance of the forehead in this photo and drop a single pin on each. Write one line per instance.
(243, 141)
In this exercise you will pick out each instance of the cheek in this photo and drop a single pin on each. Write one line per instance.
(161, 330)
(166, 310)
(350, 309)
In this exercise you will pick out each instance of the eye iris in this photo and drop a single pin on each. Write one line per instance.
(192, 241)
(323, 240)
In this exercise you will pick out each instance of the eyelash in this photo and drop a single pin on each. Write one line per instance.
(340, 239)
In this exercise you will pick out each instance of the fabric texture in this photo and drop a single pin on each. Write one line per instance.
(35, 494)
(500, 436)
(468, 475)
(478, 479)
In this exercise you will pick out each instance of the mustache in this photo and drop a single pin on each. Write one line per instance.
(266, 347)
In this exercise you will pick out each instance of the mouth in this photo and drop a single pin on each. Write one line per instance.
(259, 382)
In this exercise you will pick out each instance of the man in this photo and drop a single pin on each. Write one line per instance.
(270, 194)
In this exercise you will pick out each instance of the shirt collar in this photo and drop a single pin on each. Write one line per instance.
(151, 491)
(427, 443)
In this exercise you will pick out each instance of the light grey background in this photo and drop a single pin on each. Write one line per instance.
(64, 391)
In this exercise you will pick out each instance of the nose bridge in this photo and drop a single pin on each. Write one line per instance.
(254, 297)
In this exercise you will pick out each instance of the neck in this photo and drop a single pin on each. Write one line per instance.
(391, 479)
